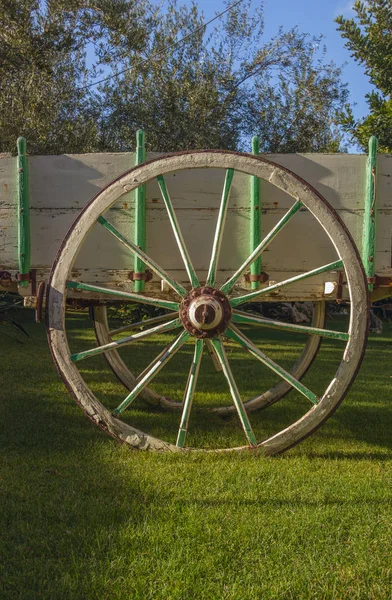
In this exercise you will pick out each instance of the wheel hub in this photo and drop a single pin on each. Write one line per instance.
(205, 312)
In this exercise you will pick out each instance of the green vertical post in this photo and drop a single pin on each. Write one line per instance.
(369, 221)
(23, 213)
(255, 217)
(140, 212)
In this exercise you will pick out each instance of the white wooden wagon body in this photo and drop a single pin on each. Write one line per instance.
(60, 186)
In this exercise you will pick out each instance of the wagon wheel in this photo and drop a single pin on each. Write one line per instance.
(206, 313)
(127, 378)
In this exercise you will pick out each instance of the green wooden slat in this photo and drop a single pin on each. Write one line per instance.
(369, 221)
(23, 211)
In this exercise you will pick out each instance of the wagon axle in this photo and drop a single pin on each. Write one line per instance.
(205, 312)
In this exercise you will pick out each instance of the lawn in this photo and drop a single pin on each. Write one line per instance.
(83, 517)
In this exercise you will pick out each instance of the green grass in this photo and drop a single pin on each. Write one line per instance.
(83, 517)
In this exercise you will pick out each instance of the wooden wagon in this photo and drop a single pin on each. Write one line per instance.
(199, 236)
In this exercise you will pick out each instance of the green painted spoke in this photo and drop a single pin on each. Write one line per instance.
(249, 319)
(220, 351)
(175, 324)
(255, 217)
(140, 213)
(78, 285)
(149, 366)
(252, 295)
(211, 277)
(157, 366)
(146, 259)
(261, 247)
(236, 335)
(145, 323)
(177, 232)
(189, 393)
(212, 352)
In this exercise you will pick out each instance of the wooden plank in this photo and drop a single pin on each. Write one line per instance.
(61, 185)
(299, 244)
(311, 289)
(8, 182)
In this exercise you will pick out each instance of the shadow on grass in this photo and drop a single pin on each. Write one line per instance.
(73, 501)
(62, 501)
(363, 416)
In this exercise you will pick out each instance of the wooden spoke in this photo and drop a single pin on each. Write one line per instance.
(78, 285)
(212, 352)
(146, 259)
(220, 228)
(252, 295)
(261, 247)
(221, 353)
(157, 366)
(244, 318)
(177, 233)
(145, 323)
(189, 393)
(236, 335)
(127, 340)
(151, 364)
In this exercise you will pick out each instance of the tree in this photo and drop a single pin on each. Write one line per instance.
(216, 91)
(369, 38)
(44, 63)
(297, 110)
(162, 71)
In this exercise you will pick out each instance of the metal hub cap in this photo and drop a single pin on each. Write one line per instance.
(205, 312)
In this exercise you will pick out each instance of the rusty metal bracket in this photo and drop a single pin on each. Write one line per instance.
(30, 278)
(380, 282)
(146, 276)
(262, 277)
(40, 299)
(23, 277)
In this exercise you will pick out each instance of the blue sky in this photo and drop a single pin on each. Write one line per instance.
(315, 17)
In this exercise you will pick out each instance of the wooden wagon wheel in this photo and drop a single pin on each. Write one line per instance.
(104, 335)
(206, 312)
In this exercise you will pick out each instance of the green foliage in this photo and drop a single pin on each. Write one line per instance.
(297, 111)
(369, 39)
(44, 62)
(214, 89)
